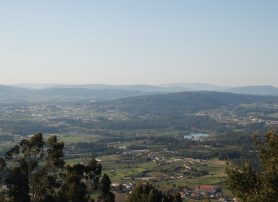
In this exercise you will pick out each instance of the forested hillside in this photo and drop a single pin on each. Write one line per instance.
(185, 102)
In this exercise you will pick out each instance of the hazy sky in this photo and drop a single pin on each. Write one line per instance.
(224, 42)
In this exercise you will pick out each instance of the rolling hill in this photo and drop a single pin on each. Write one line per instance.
(255, 90)
(9, 94)
(184, 102)
(102, 92)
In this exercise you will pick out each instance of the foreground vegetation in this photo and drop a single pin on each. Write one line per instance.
(257, 183)
(34, 170)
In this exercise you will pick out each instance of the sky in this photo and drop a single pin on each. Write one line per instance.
(222, 42)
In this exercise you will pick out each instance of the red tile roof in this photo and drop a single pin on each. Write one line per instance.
(207, 188)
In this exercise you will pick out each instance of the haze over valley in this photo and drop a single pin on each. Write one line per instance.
(101, 92)
(138, 101)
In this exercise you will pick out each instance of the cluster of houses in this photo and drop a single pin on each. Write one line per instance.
(123, 187)
(197, 193)
(187, 164)
(156, 157)
(205, 192)
(202, 192)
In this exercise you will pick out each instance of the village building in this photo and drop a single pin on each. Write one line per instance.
(208, 190)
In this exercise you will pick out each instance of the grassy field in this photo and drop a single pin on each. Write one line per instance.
(76, 138)
(122, 172)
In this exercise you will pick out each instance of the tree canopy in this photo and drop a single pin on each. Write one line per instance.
(257, 183)
(35, 171)
(146, 192)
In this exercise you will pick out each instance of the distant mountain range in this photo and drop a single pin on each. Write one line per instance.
(255, 90)
(139, 87)
(195, 86)
(101, 92)
(9, 94)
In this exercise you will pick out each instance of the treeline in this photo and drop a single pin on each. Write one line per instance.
(26, 127)
(257, 183)
(184, 122)
(35, 171)
(90, 147)
(230, 146)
